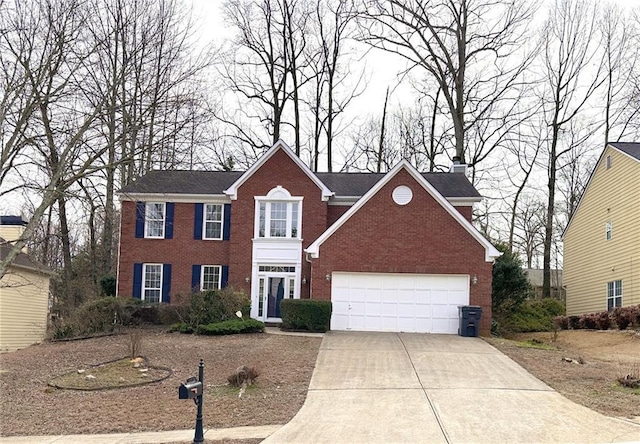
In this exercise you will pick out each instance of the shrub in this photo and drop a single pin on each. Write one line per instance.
(533, 316)
(623, 316)
(181, 327)
(574, 322)
(108, 285)
(305, 314)
(230, 327)
(588, 321)
(603, 321)
(243, 376)
(510, 286)
(213, 306)
(561, 322)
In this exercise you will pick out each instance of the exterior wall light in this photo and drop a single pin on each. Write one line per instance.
(304, 281)
(247, 280)
(474, 281)
(328, 277)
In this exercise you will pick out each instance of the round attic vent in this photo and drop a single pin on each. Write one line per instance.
(402, 195)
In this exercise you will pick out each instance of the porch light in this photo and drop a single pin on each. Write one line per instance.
(474, 281)
(247, 280)
(304, 281)
(328, 277)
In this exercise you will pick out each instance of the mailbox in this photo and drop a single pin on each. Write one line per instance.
(192, 388)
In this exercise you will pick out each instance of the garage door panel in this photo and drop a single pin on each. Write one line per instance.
(398, 302)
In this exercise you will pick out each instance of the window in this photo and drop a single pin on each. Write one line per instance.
(210, 279)
(614, 294)
(276, 269)
(608, 230)
(212, 225)
(152, 283)
(279, 219)
(608, 162)
(154, 220)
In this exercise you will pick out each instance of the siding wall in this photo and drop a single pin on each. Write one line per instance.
(24, 301)
(590, 261)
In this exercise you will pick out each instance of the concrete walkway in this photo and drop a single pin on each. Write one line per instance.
(387, 387)
(257, 432)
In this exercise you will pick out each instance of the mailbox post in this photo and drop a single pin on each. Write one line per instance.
(193, 388)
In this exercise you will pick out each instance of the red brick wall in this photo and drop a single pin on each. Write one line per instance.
(420, 237)
(467, 212)
(334, 212)
(182, 251)
(281, 170)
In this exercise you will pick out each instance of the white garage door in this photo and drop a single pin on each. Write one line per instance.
(397, 302)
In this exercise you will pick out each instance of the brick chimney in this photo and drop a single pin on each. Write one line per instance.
(11, 228)
(458, 167)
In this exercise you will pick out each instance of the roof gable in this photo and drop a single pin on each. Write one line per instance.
(232, 191)
(490, 251)
(629, 149)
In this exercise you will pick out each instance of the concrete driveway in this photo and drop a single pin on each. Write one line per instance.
(397, 387)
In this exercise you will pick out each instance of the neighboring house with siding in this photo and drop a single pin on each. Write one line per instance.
(393, 252)
(536, 275)
(24, 293)
(602, 239)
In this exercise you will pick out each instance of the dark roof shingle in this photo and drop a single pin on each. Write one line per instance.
(342, 184)
(630, 148)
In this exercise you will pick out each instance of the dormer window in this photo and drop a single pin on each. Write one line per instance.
(278, 215)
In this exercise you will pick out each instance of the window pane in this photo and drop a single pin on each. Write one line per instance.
(292, 288)
(154, 220)
(278, 225)
(294, 220)
(210, 277)
(261, 297)
(262, 219)
(213, 230)
(152, 283)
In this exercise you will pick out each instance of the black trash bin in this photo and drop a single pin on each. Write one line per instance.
(469, 320)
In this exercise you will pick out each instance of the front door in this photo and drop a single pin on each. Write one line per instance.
(276, 294)
(272, 289)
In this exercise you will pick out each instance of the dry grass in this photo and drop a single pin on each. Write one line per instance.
(606, 356)
(28, 406)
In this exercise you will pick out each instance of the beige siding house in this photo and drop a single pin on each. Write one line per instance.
(602, 239)
(24, 294)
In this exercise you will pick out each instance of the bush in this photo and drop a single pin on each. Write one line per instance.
(561, 322)
(305, 314)
(533, 316)
(510, 286)
(588, 321)
(574, 322)
(181, 327)
(207, 307)
(603, 321)
(108, 285)
(230, 327)
(623, 316)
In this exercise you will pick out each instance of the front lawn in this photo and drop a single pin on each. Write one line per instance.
(30, 407)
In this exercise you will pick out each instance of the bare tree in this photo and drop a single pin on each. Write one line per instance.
(619, 54)
(468, 48)
(569, 82)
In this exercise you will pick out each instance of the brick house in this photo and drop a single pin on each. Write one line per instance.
(393, 252)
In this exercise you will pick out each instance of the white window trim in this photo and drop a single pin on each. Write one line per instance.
(144, 281)
(204, 223)
(146, 219)
(202, 267)
(608, 230)
(277, 195)
(615, 296)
